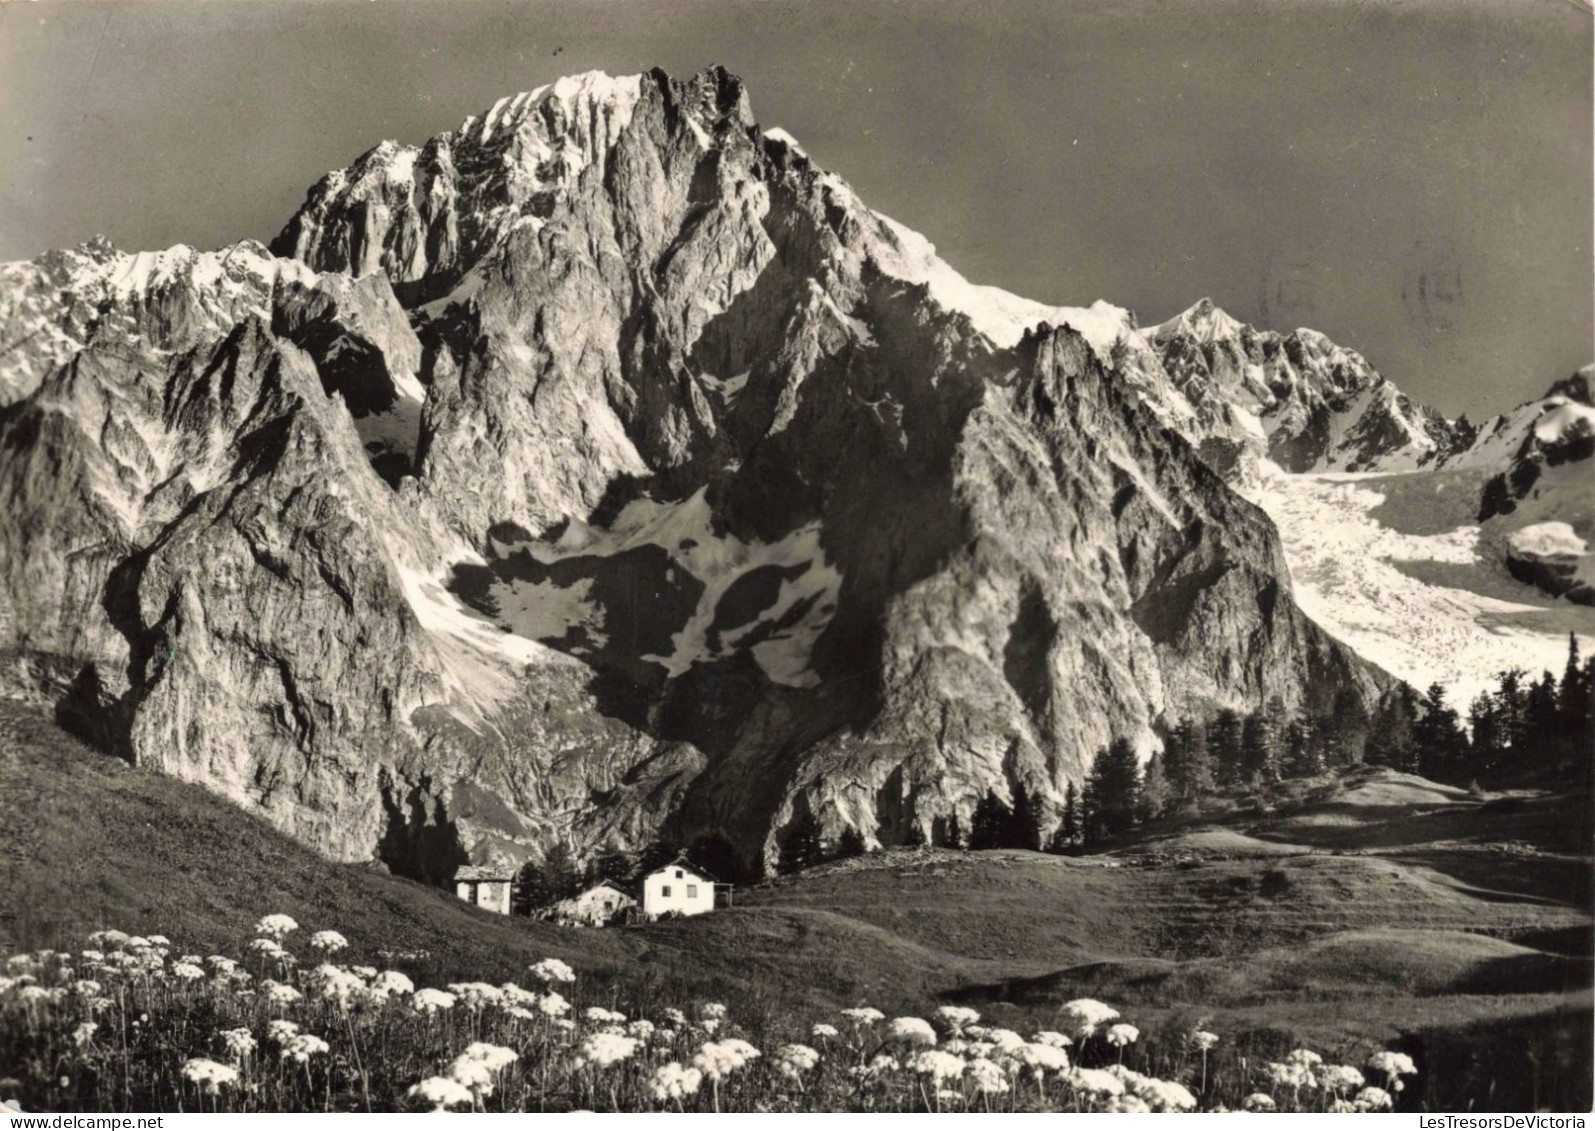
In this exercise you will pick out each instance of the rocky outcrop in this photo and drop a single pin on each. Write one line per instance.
(603, 470)
(1298, 398)
(1538, 504)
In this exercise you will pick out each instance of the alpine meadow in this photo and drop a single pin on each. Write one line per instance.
(594, 616)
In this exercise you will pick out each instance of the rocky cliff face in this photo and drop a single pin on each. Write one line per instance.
(603, 470)
(1538, 504)
(1305, 402)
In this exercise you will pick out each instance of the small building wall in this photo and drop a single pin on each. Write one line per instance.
(490, 895)
(494, 895)
(679, 890)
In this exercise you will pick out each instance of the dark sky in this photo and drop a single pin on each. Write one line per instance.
(1411, 177)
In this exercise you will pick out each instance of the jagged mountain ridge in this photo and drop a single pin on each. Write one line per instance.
(1298, 398)
(626, 581)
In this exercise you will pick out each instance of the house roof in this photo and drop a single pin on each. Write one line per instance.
(686, 866)
(479, 872)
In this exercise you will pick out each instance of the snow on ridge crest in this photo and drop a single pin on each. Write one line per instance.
(609, 97)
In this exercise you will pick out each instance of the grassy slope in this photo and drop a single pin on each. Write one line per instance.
(1370, 910)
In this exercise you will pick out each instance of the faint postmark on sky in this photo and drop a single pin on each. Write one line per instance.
(1291, 280)
(1432, 288)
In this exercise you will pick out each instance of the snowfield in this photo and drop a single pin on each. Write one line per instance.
(1396, 566)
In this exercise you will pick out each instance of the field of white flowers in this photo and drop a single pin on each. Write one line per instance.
(133, 1024)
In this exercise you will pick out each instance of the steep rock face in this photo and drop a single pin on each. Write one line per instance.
(700, 495)
(1538, 506)
(1305, 402)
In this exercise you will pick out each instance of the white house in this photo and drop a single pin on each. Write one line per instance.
(485, 885)
(677, 888)
(594, 907)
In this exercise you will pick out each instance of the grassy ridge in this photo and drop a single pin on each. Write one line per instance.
(1325, 918)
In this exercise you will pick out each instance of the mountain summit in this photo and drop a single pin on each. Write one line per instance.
(604, 472)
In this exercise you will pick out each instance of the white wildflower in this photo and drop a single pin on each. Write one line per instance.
(83, 1035)
(1304, 1058)
(268, 948)
(864, 1015)
(552, 971)
(824, 1032)
(1094, 1082)
(335, 984)
(911, 1031)
(1086, 1015)
(1049, 1037)
(514, 995)
(328, 942)
(609, 1048)
(957, 1018)
(1127, 1105)
(391, 983)
(276, 993)
(1340, 1078)
(794, 1060)
(1165, 1095)
(988, 1077)
(441, 1092)
(239, 1043)
(718, 1059)
(1041, 1058)
(1258, 1101)
(276, 927)
(673, 1082)
(937, 1065)
(1005, 1041)
(1373, 1099)
(280, 1032)
(304, 1046)
(209, 1075)
(1121, 1034)
(552, 1005)
(1392, 1066)
(1202, 1040)
(429, 1001)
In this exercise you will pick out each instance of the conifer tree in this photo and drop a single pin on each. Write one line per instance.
(1438, 737)
(1224, 746)
(1302, 756)
(1346, 729)
(1068, 834)
(1260, 743)
(990, 822)
(852, 843)
(800, 847)
(1390, 743)
(955, 832)
(1190, 770)
(1155, 792)
(1022, 826)
(1114, 788)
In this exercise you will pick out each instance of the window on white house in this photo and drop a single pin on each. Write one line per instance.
(678, 873)
(664, 892)
(692, 891)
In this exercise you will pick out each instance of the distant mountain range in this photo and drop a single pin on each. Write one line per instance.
(605, 471)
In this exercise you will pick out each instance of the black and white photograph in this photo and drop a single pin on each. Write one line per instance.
(797, 556)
